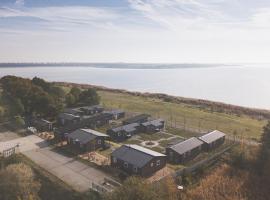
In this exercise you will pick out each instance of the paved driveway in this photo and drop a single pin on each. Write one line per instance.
(80, 176)
(76, 174)
(27, 143)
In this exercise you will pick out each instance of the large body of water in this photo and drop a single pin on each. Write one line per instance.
(240, 85)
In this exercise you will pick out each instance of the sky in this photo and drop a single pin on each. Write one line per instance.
(137, 31)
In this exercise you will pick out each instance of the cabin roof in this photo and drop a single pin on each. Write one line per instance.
(135, 154)
(114, 112)
(127, 128)
(187, 145)
(68, 116)
(212, 136)
(156, 122)
(136, 118)
(85, 135)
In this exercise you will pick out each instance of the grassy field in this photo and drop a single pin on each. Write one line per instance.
(183, 116)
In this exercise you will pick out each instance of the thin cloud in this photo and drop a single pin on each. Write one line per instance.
(19, 2)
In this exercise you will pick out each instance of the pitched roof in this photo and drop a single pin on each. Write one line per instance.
(68, 116)
(85, 135)
(136, 118)
(114, 112)
(127, 128)
(186, 145)
(212, 136)
(135, 155)
(73, 111)
(156, 122)
(95, 107)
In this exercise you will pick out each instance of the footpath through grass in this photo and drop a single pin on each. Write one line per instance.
(185, 116)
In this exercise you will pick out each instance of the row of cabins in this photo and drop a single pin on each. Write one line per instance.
(85, 117)
(137, 160)
(190, 148)
(134, 125)
(132, 159)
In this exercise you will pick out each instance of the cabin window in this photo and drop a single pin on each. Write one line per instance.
(158, 162)
(125, 164)
(152, 164)
(114, 160)
(135, 169)
(119, 133)
(99, 141)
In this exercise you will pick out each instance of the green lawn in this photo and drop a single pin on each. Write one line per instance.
(183, 115)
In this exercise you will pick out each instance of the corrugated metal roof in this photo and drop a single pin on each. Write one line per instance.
(85, 135)
(212, 136)
(135, 155)
(187, 145)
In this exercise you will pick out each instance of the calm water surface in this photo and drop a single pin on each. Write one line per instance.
(239, 85)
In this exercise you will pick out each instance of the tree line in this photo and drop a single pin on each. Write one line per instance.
(22, 97)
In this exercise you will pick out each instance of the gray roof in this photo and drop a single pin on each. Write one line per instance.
(114, 112)
(136, 155)
(187, 145)
(156, 122)
(127, 128)
(73, 111)
(68, 116)
(212, 136)
(136, 118)
(85, 135)
(95, 107)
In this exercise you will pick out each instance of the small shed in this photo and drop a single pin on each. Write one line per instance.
(184, 151)
(213, 139)
(137, 160)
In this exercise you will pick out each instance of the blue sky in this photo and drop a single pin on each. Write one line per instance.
(173, 31)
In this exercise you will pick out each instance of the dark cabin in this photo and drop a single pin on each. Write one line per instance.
(91, 110)
(67, 119)
(86, 140)
(74, 111)
(137, 119)
(116, 114)
(212, 140)
(123, 132)
(137, 160)
(42, 124)
(91, 122)
(153, 126)
(184, 151)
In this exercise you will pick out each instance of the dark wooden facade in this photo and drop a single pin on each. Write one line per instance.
(136, 160)
(93, 145)
(184, 151)
(156, 164)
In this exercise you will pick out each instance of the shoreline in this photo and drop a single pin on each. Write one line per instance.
(203, 104)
